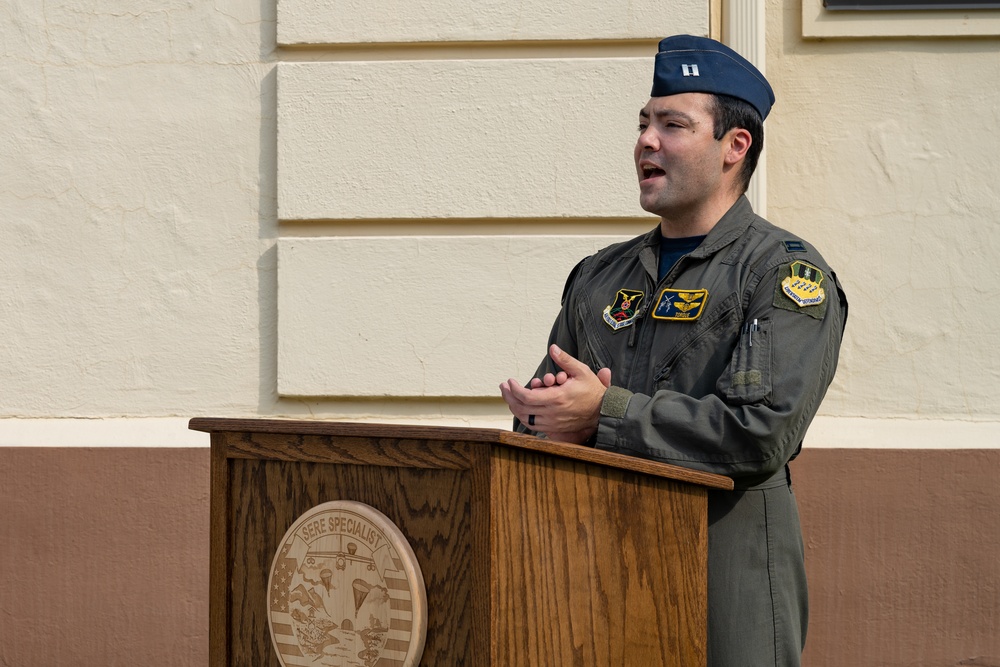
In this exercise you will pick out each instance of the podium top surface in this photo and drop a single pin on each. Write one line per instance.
(452, 433)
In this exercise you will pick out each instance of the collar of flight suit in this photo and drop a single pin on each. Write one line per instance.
(731, 226)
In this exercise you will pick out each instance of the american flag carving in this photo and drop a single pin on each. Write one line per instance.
(345, 590)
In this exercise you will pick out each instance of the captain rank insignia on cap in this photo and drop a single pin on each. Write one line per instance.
(676, 304)
(691, 64)
(622, 312)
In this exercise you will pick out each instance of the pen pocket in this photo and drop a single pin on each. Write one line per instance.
(748, 378)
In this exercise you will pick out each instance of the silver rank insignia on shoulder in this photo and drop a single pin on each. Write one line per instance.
(622, 312)
(678, 304)
(803, 286)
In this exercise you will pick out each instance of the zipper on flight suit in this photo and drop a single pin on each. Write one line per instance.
(674, 271)
(635, 326)
(668, 365)
(710, 326)
(655, 285)
(642, 311)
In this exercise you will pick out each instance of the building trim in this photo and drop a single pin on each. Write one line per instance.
(167, 432)
(744, 30)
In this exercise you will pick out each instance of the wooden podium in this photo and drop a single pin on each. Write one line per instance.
(533, 553)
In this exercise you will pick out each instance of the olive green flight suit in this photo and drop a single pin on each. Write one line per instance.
(723, 372)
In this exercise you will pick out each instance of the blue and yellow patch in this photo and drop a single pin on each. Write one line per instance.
(622, 312)
(802, 290)
(676, 304)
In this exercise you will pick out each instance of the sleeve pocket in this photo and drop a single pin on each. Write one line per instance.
(748, 378)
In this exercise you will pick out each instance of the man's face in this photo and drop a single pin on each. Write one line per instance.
(678, 161)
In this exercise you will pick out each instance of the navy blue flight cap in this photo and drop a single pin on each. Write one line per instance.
(687, 64)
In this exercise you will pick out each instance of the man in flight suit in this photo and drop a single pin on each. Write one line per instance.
(708, 343)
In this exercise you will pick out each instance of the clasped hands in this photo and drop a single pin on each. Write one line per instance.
(566, 406)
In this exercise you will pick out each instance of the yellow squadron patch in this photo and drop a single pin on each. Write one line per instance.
(675, 304)
(803, 286)
(801, 292)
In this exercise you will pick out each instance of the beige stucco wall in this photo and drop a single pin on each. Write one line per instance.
(882, 152)
(140, 177)
(307, 22)
(498, 138)
(411, 329)
(137, 190)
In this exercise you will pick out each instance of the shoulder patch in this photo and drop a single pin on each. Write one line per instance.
(801, 291)
(794, 246)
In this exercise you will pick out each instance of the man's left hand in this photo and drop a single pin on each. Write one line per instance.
(565, 406)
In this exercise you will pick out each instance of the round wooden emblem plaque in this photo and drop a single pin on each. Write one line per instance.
(345, 590)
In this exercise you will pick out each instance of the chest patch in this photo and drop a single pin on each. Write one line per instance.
(675, 304)
(622, 312)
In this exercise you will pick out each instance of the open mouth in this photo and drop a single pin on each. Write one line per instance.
(651, 171)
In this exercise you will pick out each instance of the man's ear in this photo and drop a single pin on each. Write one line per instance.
(739, 141)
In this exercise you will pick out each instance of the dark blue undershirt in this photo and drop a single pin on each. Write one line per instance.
(672, 250)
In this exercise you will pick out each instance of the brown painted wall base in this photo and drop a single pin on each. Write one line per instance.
(104, 557)
(903, 556)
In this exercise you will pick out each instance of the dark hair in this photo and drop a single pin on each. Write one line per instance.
(729, 112)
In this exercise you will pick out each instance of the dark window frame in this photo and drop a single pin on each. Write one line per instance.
(905, 5)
